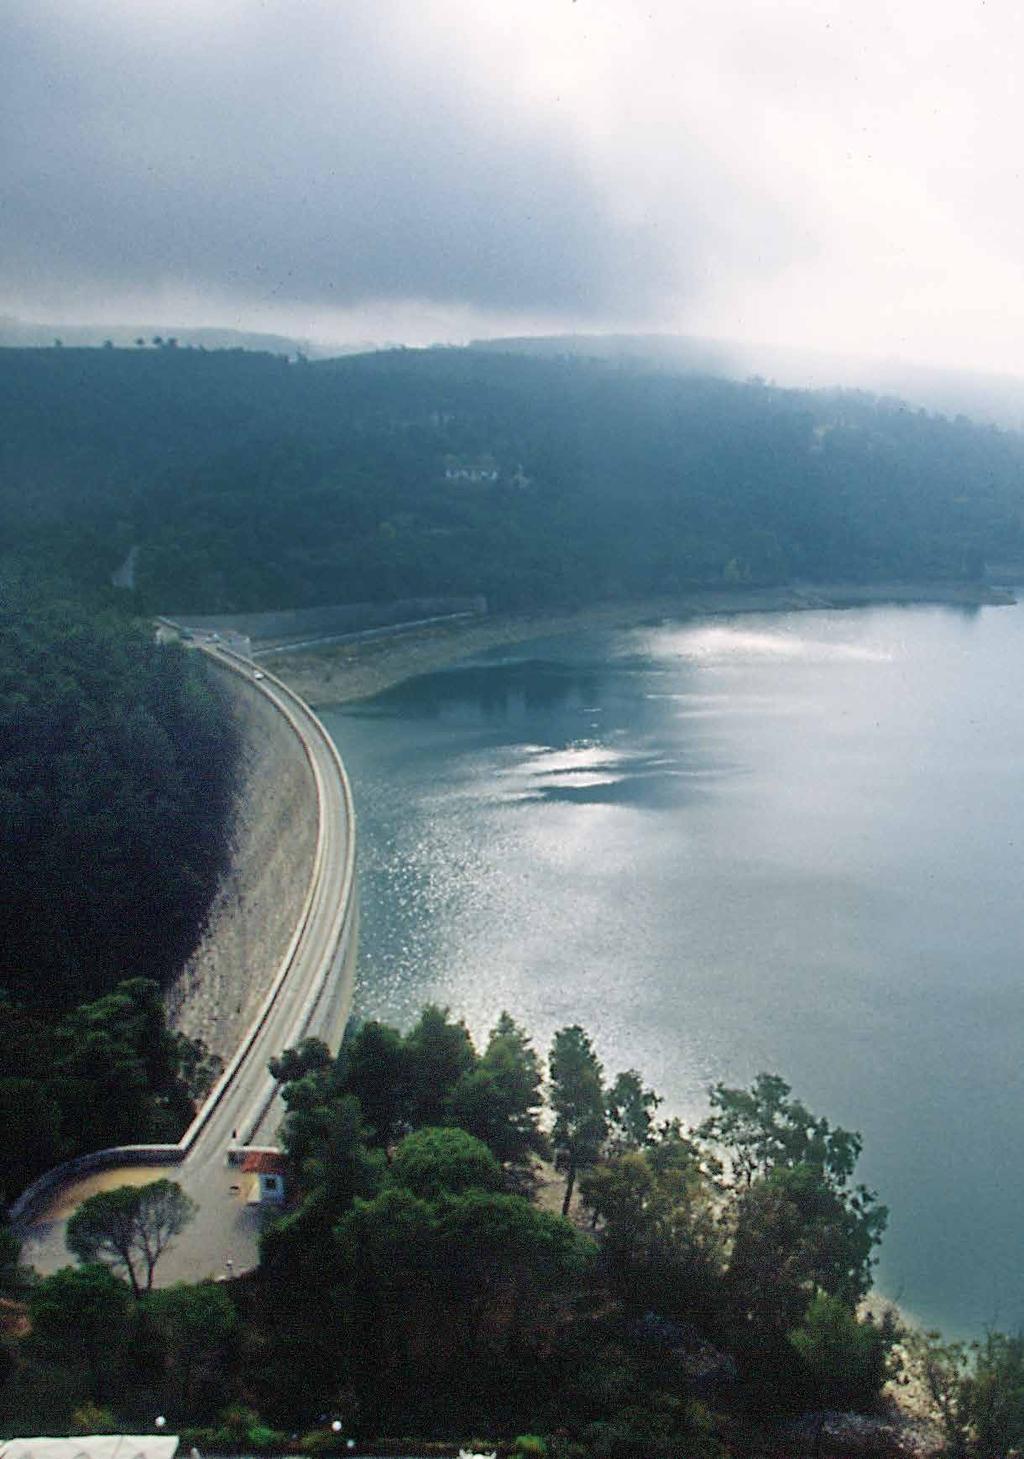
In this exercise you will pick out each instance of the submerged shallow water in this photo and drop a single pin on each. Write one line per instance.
(785, 842)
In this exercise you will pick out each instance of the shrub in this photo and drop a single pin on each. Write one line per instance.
(322, 1441)
(847, 1361)
(90, 1418)
(262, 1439)
(237, 1424)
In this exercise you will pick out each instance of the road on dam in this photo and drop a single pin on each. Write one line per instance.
(310, 995)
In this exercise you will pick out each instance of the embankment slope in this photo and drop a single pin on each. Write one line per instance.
(218, 991)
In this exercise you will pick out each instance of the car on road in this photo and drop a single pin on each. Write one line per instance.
(259, 674)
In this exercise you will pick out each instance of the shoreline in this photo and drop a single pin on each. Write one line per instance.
(343, 673)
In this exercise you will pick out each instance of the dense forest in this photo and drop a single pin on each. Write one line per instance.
(704, 1297)
(117, 765)
(249, 482)
(116, 783)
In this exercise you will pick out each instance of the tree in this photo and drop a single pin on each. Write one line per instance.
(309, 1056)
(500, 1099)
(30, 1120)
(578, 1102)
(660, 1240)
(761, 1128)
(992, 1395)
(493, 1245)
(84, 1313)
(394, 1284)
(198, 1068)
(377, 1070)
(117, 799)
(630, 1110)
(13, 1276)
(196, 1326)
(129, 1228)
(439, 1053)
(795, 1236)
(119, 1055)
(432, 1162)
(798, 1228)
(976, 1392)
(324, 1136)
(941, 1368)
(436, 1287)
(389, 1242)
(848, 1359)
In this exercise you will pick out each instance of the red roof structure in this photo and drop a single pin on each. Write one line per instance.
(264, 1162)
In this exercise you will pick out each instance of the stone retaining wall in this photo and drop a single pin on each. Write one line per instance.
(219, 990)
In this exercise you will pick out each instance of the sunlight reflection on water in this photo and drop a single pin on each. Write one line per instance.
(730, 643)
(792, 844)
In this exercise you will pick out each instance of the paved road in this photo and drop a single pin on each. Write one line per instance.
(311, 994)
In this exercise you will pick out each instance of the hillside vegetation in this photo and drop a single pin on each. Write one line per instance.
(116, 778)
(117, 764)
(249, 482)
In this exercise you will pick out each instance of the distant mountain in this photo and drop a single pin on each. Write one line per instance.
(248, 482)
(995, 398)
(20, 333)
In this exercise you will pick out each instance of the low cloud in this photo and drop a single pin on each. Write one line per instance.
(811, 172)
(319, 155)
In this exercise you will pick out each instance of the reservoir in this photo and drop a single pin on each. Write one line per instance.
(783, 842)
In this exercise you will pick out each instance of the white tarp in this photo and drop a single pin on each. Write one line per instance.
(94, 1446)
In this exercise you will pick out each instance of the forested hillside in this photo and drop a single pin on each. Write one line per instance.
(248, 482)
(117, 763)
(116, 781)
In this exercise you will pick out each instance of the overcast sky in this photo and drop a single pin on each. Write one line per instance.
(843, 174)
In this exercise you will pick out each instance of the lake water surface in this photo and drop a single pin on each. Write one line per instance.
(788, 842)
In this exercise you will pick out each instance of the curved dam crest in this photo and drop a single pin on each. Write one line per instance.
(309, 993)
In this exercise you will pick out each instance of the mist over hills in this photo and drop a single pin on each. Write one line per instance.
(247, 481)
(993, 397)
